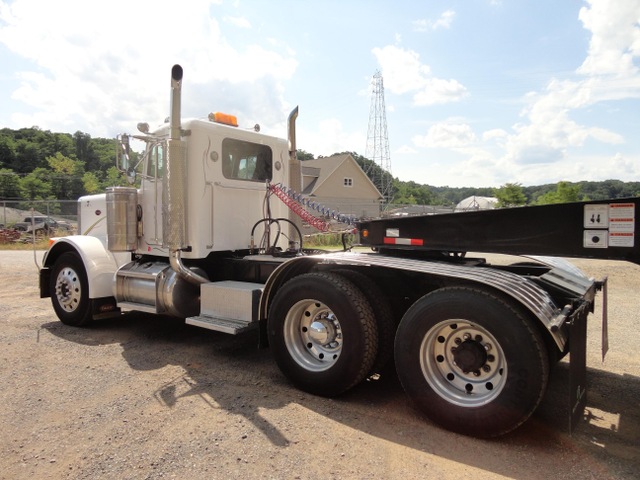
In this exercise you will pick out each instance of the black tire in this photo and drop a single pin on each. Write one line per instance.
(70, 290)
(322, 332)
(383, 314)
(471, 362)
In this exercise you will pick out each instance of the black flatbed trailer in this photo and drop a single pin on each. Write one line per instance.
(604, 229)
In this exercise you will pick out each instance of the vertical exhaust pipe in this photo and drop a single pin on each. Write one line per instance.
(176, 100)
(295, 169)
(292, 133)
(174, 187)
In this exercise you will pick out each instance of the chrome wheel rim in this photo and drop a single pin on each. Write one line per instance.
(313, 335)
(68, 290)
(463, 363)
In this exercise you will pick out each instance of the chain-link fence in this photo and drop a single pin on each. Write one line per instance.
(21, 220)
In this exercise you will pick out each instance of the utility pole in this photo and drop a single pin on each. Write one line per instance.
(378, 142)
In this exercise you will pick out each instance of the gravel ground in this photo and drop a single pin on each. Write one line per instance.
(142, 397)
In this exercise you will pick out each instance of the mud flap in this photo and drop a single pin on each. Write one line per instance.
(602, 285)
(578, 368)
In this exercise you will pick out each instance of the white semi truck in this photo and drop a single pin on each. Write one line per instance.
(204, 238)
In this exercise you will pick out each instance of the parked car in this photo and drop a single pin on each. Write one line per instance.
(41, 223)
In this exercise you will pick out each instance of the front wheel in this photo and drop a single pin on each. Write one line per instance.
(471, 361)
(70, 290)
(323, 333)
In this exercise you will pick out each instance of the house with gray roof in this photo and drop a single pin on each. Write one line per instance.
(339, 183)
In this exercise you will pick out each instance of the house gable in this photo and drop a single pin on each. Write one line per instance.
(338, 176)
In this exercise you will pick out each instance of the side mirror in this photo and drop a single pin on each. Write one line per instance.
(123, 161)
(122, 152)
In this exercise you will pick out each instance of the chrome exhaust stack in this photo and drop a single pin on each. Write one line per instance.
(174, 187)
(295, 169)
(292, 133)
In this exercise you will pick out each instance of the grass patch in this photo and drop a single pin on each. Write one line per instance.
(42, 243)
(26, 241)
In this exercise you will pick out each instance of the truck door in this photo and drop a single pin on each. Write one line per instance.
(246, 167)
(151, 200)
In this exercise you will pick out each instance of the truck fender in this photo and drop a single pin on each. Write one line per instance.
(524, 292)
(99, 263)
(280, 276)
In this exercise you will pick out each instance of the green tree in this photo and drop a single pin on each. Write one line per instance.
(68, 174)
(510, 195)
(36, 185)
(412, 193)
(7, 151)
(91, 183)
(303, 155)
(565, 192)
(82, 142)
(9, 184)
(114, 178)
(57, 143)
(105, 151)
(28, 156)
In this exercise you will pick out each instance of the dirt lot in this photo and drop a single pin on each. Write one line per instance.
(144, 397)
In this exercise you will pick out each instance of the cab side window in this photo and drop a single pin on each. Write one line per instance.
(246, 161)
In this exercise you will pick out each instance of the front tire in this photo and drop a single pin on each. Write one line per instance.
(70, 290)
(471, 361)
(322, 332)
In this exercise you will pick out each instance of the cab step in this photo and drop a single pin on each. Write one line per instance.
(228, 306)
(221, 324)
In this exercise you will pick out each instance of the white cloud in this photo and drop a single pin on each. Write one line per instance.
(103, 77)
(406, 149)
(550, 129)
(240, 22)
(401, 69)
(615, 40)
(495, 133)
(446, 135)
(403, 72)
(609, 74)
(624, 167)
(438, 91)
(444, 21)
(328, 138)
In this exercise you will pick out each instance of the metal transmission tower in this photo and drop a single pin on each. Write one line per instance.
(378, 141)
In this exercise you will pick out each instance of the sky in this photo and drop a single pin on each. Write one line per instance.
(477, 93)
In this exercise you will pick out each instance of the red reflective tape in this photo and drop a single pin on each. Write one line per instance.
(621, 205)
(403, 241)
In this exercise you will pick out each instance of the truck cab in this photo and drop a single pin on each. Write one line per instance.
(228, 170)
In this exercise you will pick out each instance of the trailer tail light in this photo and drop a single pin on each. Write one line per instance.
(223, 118)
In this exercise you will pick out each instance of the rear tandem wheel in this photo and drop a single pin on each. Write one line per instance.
(471, 361)
(322, 333)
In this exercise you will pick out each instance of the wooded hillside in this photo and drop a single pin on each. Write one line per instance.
(37, 164)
